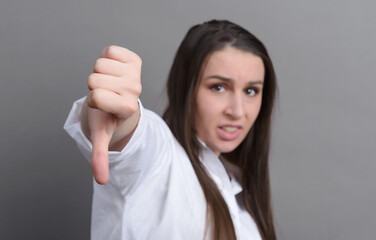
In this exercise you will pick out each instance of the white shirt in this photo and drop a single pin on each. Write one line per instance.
(153, 191)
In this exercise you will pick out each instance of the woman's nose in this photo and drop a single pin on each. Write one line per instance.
(235, 106)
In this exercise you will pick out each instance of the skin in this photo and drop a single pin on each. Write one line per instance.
(229, 98)
(112, 112)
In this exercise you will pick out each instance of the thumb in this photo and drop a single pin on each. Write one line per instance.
(99, 160)
(101, 127)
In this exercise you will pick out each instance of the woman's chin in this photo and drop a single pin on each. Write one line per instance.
(224, 148)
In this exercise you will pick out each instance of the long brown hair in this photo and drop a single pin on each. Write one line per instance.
(252, 155)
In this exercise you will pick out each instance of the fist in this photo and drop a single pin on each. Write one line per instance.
(115, 84)
(114, 87)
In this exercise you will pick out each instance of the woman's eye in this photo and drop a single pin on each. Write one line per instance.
(217, 88)
(251, 91)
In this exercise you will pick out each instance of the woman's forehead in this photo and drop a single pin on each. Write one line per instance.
(234, 64)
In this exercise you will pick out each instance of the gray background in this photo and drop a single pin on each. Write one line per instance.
(323, 153)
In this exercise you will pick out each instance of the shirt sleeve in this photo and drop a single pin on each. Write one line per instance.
(146, 153)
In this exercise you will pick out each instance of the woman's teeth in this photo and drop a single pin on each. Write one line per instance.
(230, 129)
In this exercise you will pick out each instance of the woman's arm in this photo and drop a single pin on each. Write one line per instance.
(111, 112)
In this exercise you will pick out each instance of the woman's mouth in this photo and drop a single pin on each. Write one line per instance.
(229, 133)
(230, 129)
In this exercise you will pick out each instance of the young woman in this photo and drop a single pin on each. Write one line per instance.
(202, 171)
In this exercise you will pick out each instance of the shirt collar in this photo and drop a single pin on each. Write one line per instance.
(235, 176)
(223, 170)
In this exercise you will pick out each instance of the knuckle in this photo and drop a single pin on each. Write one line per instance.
(90, 101)
(92, 81)
(138, 89)
(99, 64)
(94, 96)
(132, 107)
(134, 57)
(111, 51)
(122, 111)
(128, 108)
(138, 59)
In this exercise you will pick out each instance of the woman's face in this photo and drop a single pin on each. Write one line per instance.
(228, 98)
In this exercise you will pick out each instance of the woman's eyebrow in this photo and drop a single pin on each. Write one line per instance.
(231, 80)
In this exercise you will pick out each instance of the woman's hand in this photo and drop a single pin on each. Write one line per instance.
(113, 112)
